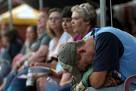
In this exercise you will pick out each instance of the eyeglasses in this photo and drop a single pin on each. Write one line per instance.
(54, 18)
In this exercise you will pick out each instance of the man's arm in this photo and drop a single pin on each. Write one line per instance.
(97, 79)
(108, 52)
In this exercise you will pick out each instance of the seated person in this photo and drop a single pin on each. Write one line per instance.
(54, 27)
(10, 48)
(38, 56)
(67, 36)
(11, 43)
(79, 58)
(114, 53)
(31, 37)
(5, 65)
(113, 61)
(64, 82)
(79, 63)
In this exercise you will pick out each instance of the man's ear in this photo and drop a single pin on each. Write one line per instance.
(81, 50)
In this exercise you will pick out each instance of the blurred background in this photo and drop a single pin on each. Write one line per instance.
(22, 13)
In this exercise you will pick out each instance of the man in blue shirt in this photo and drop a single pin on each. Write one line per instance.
(114, 51)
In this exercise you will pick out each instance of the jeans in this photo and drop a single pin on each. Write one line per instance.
(9, 79)
(67, 87)
(18, 84)
(4, 70)
(52, 85)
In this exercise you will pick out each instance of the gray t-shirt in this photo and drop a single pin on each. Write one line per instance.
(42, 40)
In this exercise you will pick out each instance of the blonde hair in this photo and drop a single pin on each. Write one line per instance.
(50, 32)
(86, 11)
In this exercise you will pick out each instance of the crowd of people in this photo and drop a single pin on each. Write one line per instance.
(80, 55)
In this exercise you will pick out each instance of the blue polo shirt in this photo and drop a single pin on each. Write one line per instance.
(109, 49)
(115, 50)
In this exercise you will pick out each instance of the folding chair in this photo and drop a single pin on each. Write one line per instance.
(128, 83)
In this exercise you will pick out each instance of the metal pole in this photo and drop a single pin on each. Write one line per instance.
(103, 13)
(10, 11)
(41, 4)
(111, 12)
